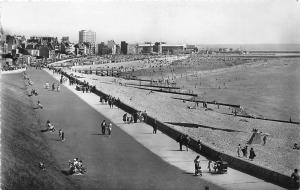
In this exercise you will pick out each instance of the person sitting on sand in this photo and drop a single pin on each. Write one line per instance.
(47, 86)
(49, 126)
(296, 146)
(42, 166)
(39, 105)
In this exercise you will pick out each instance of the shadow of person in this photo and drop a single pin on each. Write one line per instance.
(66, 172)
(44, 130)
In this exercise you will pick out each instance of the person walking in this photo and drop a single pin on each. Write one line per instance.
(103, 126)
(197, 166)
(187, 142)
(252, 154)
(61, 135)
(154, 127)
(239, 149)
(264, 140)
(109, 128)
(209, 165)
(245, 151)
(124, 117)
(295, 177)
(199, 145)
(180, 141)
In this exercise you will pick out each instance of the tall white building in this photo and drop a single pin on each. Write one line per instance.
(87, 36)
(90, 37)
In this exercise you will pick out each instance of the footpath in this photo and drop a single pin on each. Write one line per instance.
(116, 162)
(168, 149)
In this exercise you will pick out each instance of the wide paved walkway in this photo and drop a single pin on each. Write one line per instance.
(116, 162)
(168, 149)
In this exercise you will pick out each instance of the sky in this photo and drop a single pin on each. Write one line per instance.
(188, 21)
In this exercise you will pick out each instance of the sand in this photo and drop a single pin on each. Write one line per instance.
(251, 84)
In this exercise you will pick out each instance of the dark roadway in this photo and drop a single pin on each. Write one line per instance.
(116, 162)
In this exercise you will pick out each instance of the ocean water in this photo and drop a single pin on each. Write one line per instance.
(254, 47)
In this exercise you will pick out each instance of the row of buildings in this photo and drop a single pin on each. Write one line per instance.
(45, 47)
(145, 48)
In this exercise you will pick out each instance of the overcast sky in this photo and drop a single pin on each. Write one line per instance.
(195, 22)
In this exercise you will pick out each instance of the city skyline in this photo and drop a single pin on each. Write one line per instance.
(196, 22)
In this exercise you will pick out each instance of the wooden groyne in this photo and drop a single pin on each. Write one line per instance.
(237, 115)
(164, 91)
(214, 103)
(266, 119)
(168, 87)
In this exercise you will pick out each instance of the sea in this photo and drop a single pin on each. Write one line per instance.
(254, 47)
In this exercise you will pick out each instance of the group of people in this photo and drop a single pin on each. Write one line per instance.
(50, 127)
(110, 100)
(76, 166)
(183, 140)
(244, 150)
(141, 116)
(106, 127)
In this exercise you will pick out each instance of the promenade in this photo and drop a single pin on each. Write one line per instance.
(116, 162)
(168, 150)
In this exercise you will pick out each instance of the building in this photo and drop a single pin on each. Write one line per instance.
(191, 49)
(103, 49)
(67, 48)
(146, 48)
(65, 39)
(88, 36)
(171, 49)
(132, 49)
(124, 46)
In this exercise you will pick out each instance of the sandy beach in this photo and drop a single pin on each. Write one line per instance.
(254, 85)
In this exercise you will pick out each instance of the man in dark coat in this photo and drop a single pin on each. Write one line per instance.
(251, 154)
(180, 141)
(103, 127)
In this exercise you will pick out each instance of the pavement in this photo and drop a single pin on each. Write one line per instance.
(168, 158)
(113, 162)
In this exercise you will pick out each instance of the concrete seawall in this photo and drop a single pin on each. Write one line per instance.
(234, 162)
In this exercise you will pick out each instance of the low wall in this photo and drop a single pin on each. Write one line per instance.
(209, 152)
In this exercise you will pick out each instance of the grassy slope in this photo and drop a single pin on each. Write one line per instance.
(23, 145)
